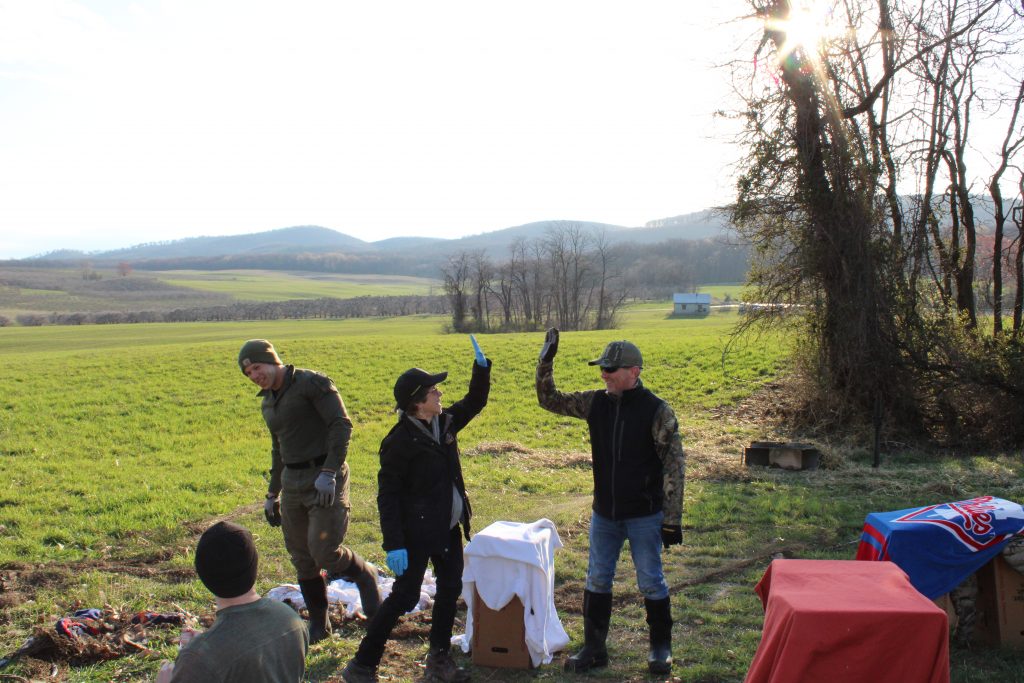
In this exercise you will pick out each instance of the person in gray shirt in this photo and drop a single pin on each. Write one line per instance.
(252, 639)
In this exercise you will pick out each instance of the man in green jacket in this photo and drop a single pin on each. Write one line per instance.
(308, 493)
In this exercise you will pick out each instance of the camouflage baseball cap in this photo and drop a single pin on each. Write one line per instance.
(257, 351)
(620, 354)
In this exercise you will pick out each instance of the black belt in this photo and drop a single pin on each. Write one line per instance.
(315, 462)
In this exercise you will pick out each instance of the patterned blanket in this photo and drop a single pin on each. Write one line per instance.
(939, 546)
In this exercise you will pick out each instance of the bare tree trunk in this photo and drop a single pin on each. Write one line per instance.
(1011, 143)
(482, 273)
(1018, 297)
(456, 278)
(837, 201)
(566, 251)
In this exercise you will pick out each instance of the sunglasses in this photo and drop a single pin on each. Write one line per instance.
(610, 368)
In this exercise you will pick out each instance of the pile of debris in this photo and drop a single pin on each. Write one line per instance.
(91, 635)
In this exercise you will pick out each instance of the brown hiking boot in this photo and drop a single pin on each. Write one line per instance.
(369, 590)
(354, 672)
(364, 576)
(441, 667)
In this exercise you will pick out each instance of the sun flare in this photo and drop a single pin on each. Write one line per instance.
(808, 28)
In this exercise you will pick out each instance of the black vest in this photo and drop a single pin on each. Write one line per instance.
(628, 474)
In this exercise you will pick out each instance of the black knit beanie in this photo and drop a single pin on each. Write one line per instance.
(226, 560)
(257, 351)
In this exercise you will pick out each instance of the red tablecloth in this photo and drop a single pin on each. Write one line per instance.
(840, 621)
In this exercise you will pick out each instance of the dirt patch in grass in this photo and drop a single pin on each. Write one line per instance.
(516, 453)
(21, 583)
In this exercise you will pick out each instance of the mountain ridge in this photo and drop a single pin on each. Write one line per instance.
(314, 238)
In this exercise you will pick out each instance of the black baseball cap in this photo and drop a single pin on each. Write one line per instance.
(411, 381)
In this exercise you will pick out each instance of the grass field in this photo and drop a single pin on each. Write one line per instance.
(118, 444)
(718, 293)
(87, 290)
(259, 285)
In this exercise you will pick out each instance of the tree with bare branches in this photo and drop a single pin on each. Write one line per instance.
(836, 127)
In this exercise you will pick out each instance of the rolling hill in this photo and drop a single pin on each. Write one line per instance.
(321, 240)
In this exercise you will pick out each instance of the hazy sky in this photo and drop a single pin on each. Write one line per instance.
(128, 122)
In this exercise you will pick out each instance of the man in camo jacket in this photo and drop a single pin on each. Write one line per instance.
(639, 472)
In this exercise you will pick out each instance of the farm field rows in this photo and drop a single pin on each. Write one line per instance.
(118, 445)
(259, 285)
(86, 290)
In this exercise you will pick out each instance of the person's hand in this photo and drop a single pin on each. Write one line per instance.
(165, 673)
(550, 348)
(481, 359)
(671, 534)
(187, 634)
(398, 561)
(272, 510)
(325, 486)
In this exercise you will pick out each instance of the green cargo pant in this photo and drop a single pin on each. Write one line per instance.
(313, 535)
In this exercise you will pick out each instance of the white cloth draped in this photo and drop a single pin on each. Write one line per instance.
(509, 559)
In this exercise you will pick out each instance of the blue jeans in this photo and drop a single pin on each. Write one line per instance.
(606, 539)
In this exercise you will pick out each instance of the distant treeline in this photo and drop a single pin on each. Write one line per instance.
(576, 280)
(652, 270)
(357, 307)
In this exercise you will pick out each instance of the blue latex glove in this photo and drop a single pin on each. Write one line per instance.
(398, 561)
(481, 359)
(325, 485)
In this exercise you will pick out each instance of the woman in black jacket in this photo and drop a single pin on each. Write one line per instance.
(422, 502)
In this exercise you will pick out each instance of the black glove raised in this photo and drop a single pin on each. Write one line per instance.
(671, 534)
(550, 348)
(272, 511)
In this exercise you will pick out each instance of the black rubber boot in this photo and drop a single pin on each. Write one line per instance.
(314, 592)
(659, 619)
(597, 612)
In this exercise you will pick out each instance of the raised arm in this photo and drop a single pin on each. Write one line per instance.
(576, 404)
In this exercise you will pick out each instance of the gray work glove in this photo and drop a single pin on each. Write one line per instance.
(325, 486)
(550, 348)
(272, 510)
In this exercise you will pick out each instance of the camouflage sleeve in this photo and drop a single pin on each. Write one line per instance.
(576, 404)
(665, 431)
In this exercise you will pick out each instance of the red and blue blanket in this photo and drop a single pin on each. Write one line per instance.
(939, 546)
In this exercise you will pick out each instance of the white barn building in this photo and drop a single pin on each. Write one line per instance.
(691, 304)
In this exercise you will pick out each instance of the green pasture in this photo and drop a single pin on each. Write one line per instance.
(118, 444)
(266, 285)
(735, 292)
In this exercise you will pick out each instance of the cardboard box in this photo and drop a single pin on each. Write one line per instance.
(1000, 604)
(789, 456)
(945, 603)
(499, 636)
